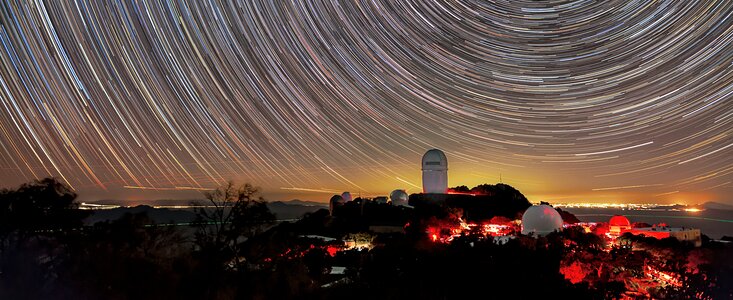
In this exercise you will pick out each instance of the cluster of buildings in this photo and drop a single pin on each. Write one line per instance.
(396, 198)
(538, 220)
(434, 181)
(619, 225)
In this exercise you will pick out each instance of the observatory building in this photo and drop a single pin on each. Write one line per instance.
(661, 231)
(618, 225)
(346, 196)
(336, 201)
(541, 220)
(398, 198)
(434, 172)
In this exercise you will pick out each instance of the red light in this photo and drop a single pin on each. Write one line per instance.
(332, 250)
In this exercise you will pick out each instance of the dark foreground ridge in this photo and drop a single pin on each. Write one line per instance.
(452, 246)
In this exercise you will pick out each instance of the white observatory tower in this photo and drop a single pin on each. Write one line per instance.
(434, 172)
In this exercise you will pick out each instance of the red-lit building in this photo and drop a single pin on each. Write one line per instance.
(662, 231)
(618, 225)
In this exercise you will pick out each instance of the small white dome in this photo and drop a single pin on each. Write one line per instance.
(398, 198)
(541, 220)
(346, 196)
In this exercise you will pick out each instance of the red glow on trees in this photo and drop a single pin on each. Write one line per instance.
(331, 250)
(575, 272)
(445, 232)
(453, 192)
(663, 277)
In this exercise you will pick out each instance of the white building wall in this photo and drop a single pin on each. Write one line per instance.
(434, 172)
(435, 181)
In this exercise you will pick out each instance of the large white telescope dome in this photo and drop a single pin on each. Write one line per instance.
(541, 220)
(434, 172)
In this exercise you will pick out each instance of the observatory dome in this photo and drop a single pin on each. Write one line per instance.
(434, 172)
(541, 220)
(619, 220)
(335, 201)
(436, 158)
(618, 224)
(346, 196)
(398, 198)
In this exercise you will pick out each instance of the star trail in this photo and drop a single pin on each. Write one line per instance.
(582, 100)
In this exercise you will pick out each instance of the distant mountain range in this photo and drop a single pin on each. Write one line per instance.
(703, 206)
(159, 215)
(294, 209)
(716, 205)
(172, 202)
(303, 202)
(283, 210)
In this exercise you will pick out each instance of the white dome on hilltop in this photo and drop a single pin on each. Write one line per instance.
(541, 220)
(398, 198)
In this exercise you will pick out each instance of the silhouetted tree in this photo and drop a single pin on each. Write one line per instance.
(567, 217)
(33, 220)
(486, 202)
(42, 205)
(460, 189)
(317, 261)
(578, 238)
(230, 216)
(131, 257)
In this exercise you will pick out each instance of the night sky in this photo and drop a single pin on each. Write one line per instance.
(589, 101)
